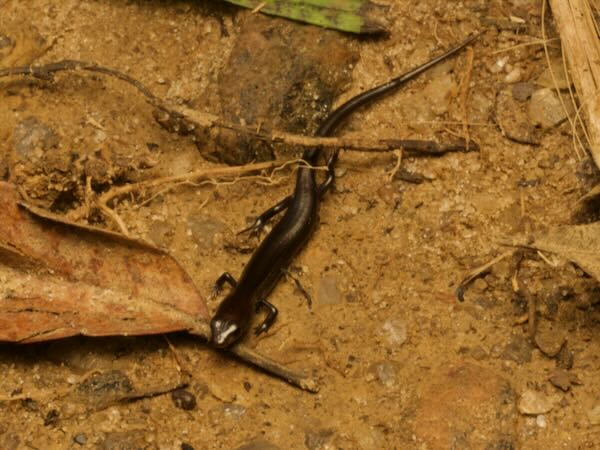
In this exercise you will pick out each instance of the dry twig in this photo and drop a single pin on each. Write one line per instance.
(191, 119)
(475, 273)
(579, 38)
(464, 93)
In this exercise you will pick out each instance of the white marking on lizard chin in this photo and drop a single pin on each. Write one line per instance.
(223, 335)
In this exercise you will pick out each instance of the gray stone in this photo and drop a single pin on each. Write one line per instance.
(315, 440)
(549, 341)
(518, 350)
(560, 379)
(514, 76)
(545, 108)
(522, 91)
(565, 357)
(80, 438)
(31, 135)
(514, 120)
(183, 399)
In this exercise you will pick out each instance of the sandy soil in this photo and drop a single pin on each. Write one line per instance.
(401, 363)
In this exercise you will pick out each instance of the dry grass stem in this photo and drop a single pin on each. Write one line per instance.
(581, 47)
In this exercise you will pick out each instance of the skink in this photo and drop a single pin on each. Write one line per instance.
(290, 234)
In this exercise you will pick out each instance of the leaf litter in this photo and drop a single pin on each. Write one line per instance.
(60, 279)
(577, 243)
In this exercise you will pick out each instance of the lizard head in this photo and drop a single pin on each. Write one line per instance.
(225, 332)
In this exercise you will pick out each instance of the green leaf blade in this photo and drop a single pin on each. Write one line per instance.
(353, 16)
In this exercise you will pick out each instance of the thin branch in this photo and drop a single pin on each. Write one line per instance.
(190, 120)
(460, 290)
(464, 93)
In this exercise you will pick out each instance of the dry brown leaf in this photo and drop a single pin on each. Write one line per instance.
(59, 279)
(577, 243)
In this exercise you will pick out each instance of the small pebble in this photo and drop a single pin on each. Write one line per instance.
(30, 404)
(522, 91)
(258, 445)
(499, 65)
(186, 446)
(80, 438)
(513, 76)
(183, 399)
(31, 134)
(549, 342)
(385, 372)
(514, 119)
(317, 439)
(561, 379)
(480, 285)
(540, 421)
(234, 410)
(545, 108)
(518, 350)
(534, 403)
(395, 331)
(565, 357)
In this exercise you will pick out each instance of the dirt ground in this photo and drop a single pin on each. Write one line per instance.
(401, 363)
